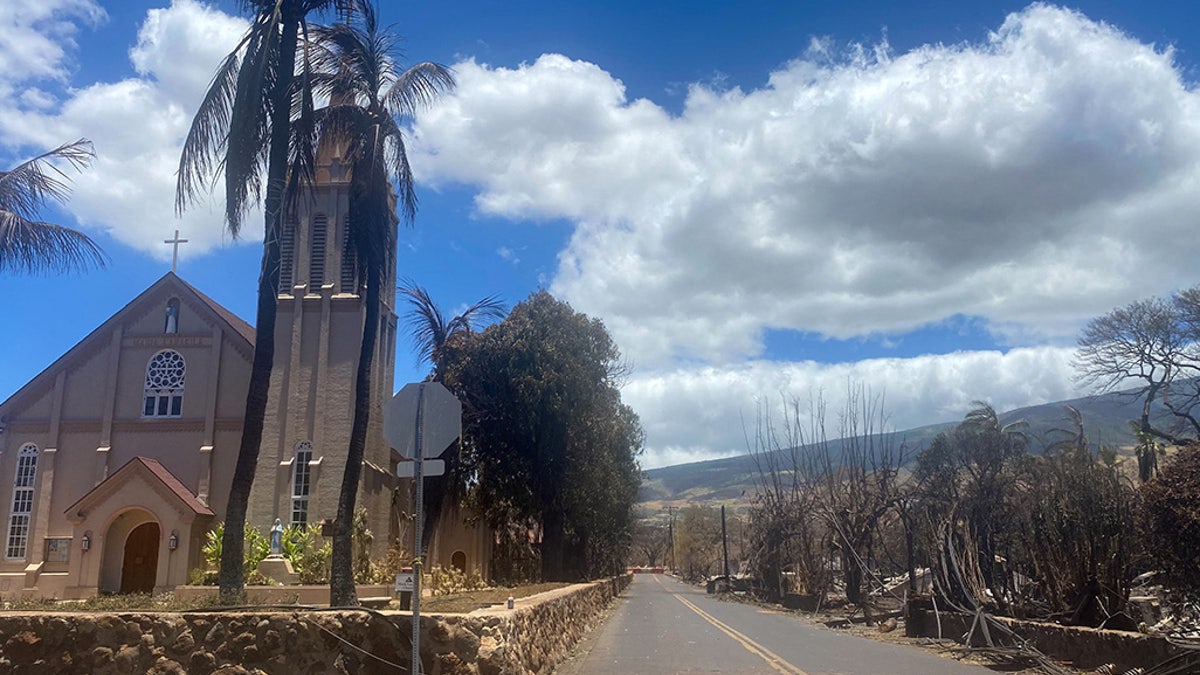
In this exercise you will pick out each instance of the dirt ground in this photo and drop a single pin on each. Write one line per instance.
(461, 603)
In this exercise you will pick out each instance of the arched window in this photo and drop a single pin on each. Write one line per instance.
(172, 322)
(164, 385)
(300, 483)
(22, 503)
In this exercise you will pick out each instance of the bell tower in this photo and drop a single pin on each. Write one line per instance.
(318, 334)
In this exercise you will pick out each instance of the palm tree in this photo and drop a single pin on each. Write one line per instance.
(31, 245)
(245, 125)
(431, 331)
(354, 63)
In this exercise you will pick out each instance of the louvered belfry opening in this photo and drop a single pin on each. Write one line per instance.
(349, 263)
(287, 256)
(316, 264)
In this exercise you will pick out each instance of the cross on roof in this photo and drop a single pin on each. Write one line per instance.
(175, 249)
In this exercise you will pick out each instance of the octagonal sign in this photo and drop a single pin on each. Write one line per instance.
(441, 416)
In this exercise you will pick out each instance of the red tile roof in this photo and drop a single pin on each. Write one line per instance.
(156, 469)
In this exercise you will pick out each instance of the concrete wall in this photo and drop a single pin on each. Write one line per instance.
(531, 638)
(1082, 647)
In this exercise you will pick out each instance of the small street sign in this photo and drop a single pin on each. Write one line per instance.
(432, 467)
(405, 581)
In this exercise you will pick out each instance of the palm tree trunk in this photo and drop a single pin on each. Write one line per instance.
(341, 578)
(231, 579)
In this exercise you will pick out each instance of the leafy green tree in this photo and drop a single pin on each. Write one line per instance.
(431, 329)
(602, 488)
(31, 245)
(354, 62)
(244, 126)
(547, 436)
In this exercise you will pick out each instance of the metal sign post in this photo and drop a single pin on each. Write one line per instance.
(419, 482)
(420, 422)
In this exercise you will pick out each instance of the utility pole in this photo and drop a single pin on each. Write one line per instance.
(725, 548)
(671, 533)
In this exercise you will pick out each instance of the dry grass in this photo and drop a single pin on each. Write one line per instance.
(461, 603)
(451, 604)
(132, 602)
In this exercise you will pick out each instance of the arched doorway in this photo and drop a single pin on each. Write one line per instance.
(459, 561)
(139, 567)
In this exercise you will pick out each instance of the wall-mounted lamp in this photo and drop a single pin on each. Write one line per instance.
(173, 542)
(85, 543)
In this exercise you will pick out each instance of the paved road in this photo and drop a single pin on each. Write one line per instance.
(663, 626)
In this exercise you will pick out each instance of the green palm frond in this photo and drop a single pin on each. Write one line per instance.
(429, 327)
(206, 136)
(419, 86)
(31, 245)
(231, 132)
(354, 65)
(426, 323)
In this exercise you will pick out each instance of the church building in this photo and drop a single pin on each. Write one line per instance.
(116, 460)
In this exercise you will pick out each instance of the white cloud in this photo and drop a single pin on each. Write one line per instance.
(36, 38)
(137, 125)
(1034, 178)
(692, 414)
(509, 255)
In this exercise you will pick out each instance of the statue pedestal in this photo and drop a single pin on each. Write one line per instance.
(278, 568)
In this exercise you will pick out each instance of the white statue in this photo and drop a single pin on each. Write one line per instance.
(277, 537)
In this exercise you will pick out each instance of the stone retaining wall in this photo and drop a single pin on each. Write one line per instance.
(1082, 647)
(531, 638)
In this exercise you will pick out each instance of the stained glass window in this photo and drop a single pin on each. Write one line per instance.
(164, 385)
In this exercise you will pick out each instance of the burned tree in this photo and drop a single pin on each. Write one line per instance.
(823, 494)
(968, 475)
(1152, 344)
(788, 547)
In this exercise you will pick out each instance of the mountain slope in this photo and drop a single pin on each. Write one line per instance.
(1105, 421)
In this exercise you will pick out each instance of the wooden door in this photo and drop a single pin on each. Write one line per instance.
(140, 568)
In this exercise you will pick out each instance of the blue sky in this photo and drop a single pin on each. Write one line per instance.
(761, 200)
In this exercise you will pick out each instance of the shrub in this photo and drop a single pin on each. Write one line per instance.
(309, 554)
(396, 560)
(1170, 520)
(256, 548)
(362, 537)
(448, 580)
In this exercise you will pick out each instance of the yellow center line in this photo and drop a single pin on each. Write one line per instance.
(774, 660)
